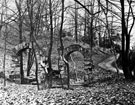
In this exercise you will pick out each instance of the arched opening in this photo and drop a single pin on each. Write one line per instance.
(82, 60)
(73, 48)
(76, 66)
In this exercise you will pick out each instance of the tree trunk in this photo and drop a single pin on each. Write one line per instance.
(30, 55)
(18, 4)
(51, 44)
(91, 28)
(76, 22)
(36, 62)
(125, 45)
(61, 27)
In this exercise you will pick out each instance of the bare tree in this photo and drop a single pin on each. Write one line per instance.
(125, 42)
(51, 43)
(123, 17)
(5, 41)
(76, 22)
(20, 20)
(60, 35)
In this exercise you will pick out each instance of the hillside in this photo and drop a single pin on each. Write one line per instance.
(105, 88)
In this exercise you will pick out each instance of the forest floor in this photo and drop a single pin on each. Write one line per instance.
(105, 88)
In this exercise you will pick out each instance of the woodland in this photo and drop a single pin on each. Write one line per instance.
(67, 52)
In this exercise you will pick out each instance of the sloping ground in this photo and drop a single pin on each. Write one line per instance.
(105, 88)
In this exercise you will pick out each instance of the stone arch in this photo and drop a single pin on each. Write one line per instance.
(18, 49)
(76, 47)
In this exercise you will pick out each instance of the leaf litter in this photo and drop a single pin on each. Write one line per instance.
(105, 88)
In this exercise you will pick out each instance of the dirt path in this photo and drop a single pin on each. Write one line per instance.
(107, 64)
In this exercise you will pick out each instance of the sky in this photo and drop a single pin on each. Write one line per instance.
(69, 1)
